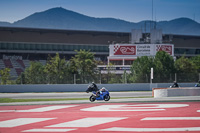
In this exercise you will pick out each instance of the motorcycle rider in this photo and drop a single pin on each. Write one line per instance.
(98, 92)
(174, 85)
(95, 86)
(103, 89)
(198, 84)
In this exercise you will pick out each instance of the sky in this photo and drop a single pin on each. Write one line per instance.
(128, 10)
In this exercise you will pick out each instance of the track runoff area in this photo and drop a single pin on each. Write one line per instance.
(155, 117)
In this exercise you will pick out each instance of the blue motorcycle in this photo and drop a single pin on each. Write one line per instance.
(102, 94)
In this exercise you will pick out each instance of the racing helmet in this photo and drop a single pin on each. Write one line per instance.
(103, 88)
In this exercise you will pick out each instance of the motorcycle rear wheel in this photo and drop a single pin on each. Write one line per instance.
(92, 98)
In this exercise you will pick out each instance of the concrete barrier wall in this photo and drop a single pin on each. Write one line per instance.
(71, 88)
(83, 87)
(189, 91)
(166, 85)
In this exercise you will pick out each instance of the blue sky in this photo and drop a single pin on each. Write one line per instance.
(129, 10)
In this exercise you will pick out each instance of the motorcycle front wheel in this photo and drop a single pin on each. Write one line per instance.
(106, 98)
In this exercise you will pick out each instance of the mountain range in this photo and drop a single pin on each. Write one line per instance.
(60, 18)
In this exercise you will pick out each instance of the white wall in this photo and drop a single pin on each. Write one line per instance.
(188, 91)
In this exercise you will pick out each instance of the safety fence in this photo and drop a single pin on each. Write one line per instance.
(83, 87)
(109, 78)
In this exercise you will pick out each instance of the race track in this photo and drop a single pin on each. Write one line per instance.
(72, 95)
(154, 117)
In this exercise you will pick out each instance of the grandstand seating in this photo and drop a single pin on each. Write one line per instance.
(2, 65)
(8, 63)
(43, 62)
(13, 73)
(18, 71)
(26, 63)
(16, 66)
(21, 63)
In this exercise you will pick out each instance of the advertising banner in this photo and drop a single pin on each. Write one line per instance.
(124, 50)
(144, 49)
(166, 48)
(129, 50)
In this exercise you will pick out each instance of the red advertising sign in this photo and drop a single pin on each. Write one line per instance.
(166, 48)
(124, 50)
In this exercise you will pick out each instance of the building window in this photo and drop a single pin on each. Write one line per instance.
(128, 62)
(116, 62)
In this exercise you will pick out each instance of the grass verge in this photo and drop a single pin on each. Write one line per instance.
(10, 100)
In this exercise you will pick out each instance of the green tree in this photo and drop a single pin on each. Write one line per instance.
(55, 69)
(163, 67)
(162, 63)
(140, 70)
(186, 69)
(5, 75)
(34, 74)
(83, 64)
(111, 77)
(21, 79)
(184, 65)
(196, 61)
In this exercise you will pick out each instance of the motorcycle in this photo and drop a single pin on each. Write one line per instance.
(102, 94)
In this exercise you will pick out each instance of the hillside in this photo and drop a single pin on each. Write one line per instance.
(60, 18)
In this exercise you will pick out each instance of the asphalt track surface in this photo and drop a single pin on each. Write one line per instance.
(153, 117)
(71, 95)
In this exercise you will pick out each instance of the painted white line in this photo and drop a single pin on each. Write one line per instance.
(121, 129)
(118, 108)
(48, 130)
(49, 108)
(171, 118)
(135, 107)
(198, 110)
(88, 122)
(42, 109)
(7, 110)
(21, 121)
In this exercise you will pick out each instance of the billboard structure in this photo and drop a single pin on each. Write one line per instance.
(124, 52)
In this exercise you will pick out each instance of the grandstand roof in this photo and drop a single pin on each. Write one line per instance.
(37, 35)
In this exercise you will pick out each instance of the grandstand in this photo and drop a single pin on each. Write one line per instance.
(19, 46)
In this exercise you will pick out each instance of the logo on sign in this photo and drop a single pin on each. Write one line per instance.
(125, 50)
(166, 48)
